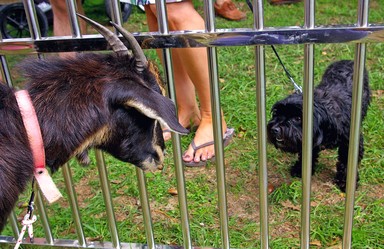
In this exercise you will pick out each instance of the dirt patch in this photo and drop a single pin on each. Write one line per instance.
(84, 190)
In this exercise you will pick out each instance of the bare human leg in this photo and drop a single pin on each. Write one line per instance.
(195, 64)
(61, 25)
(188, 110)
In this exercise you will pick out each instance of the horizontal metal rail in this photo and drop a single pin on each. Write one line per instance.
(8, 242)
(196, 38)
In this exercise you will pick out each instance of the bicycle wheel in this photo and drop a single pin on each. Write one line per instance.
(14, 24)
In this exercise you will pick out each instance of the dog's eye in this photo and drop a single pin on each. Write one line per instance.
(296, 119)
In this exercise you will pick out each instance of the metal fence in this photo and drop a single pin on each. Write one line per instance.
(360, 34)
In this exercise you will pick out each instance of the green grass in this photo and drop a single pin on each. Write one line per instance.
(238, 95)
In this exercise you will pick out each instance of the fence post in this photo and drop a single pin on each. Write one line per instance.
(176, 141)
(354, 138)
(105, 187)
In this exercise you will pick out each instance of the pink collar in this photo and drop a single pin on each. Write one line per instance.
(36, 144)
(32, 127)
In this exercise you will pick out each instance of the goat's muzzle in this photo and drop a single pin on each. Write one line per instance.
(153, 163)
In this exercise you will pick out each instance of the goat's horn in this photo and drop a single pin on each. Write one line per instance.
(141, 60)
(117, 46)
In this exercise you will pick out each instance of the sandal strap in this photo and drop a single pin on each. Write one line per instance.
(227, 137)
(195, 148)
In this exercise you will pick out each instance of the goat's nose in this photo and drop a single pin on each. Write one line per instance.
(275, 130)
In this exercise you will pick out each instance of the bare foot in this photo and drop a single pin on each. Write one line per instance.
(204, 134)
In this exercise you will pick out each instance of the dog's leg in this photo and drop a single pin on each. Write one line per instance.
(341, 174)
(361, 154)
(315, 155)
(296, 169)
(341, 167)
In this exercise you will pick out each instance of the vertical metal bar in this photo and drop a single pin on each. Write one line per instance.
(177, 152)
(354, 136)
(307, 144)
(219, 148)
(12, 219)
(146, 208)
(115, 11)
(105, 187)
(353, 150)
(176, 141)
(262, 144)
(181, 190)
(30, 12)
(162, 17)
(5, 72)
(74, 205)
(363, 9)
(258, 16)
(33, 24)
(5, 75)
(307, 127)
(43, 217)
(209, 17)
(73, 21)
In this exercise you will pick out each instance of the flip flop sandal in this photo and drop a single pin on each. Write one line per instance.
(228, 135)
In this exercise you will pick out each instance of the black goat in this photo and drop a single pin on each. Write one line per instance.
(112, 102)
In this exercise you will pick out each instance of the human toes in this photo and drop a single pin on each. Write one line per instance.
(200, 155)
(166, 134)
(189, 155)
(204, 154)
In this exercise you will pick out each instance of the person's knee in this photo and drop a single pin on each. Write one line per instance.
(175, 20)
(59, 7)
(177, 13)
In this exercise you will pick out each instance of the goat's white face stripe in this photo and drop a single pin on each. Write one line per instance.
(150, 164)
(147, 111)
(157, 148)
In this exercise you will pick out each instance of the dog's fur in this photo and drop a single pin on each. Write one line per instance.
(331, 119)
(92, 100)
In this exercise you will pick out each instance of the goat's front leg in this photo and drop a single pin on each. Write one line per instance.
(83, 158)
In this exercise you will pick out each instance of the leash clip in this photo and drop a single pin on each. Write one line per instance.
(28, 221)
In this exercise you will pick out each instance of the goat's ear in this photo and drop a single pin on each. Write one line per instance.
(152, 104)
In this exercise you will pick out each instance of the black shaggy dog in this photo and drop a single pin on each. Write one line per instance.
(112, 102)
(331, 120)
